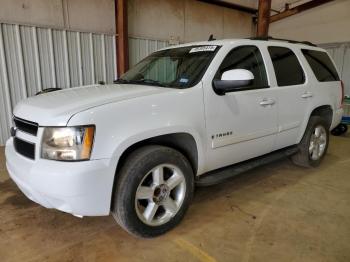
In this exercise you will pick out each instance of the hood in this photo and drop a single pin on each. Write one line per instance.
(56, 108)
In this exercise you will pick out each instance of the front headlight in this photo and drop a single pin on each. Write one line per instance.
(67, 143)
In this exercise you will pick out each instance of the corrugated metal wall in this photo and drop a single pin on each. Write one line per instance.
(34, 58)
(341, 55)
(140, 48)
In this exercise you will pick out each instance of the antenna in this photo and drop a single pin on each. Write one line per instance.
(211, 38)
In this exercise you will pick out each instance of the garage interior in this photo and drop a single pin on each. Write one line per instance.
(277, 212)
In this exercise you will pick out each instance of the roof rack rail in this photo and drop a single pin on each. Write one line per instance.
(281, 39)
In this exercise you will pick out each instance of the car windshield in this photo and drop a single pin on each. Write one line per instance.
(181, 67)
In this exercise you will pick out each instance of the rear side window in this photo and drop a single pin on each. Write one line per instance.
(321, 65)
(287, 67)
(245, 57)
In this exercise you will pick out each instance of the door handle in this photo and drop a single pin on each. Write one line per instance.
(267, 102)
(307, 95)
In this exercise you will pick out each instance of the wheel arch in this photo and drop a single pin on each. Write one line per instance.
(183, 142)
(325, 111)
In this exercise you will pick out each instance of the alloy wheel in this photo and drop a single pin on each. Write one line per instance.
(160, 195)
(318, 143)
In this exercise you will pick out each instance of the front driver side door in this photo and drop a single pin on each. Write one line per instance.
(241, 124)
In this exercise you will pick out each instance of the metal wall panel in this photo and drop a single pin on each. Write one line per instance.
(5, 99)
(74, 59)
(346, 70)
(31, 60)
(110, 53)
(46, 59)
(14, 62)
(34, 58)
(60, 54)
(87, 58)
(340, 52)
(140, 48)
(99, 54)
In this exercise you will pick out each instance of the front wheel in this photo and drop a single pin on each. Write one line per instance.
(314, 143)
(153, 191)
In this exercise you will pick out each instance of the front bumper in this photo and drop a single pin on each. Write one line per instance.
(80, 188)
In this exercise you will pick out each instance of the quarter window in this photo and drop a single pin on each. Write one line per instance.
(245, 57)
(287, 67)
(321, 65)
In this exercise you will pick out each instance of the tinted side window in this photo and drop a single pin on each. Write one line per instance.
(245, 57)
(287, 67)
(321, 65)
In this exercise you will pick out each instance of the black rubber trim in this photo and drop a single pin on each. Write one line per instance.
(223, 174)
(26, 126)
(24, 148)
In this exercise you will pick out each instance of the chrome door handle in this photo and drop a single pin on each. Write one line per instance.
(307, 95)
(267, 102)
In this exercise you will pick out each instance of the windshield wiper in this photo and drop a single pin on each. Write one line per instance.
(150, 82)
(140, 81)
(121, 81)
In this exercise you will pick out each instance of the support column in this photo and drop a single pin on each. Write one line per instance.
(121, 18)
(263, 18)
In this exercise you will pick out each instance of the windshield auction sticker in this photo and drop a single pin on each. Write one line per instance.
(208, 48)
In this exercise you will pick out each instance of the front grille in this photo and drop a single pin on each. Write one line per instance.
(26, 126)
(24, 148)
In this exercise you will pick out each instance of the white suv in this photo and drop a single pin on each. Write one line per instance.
(185, 115)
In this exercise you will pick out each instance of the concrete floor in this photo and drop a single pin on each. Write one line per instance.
(279, 212)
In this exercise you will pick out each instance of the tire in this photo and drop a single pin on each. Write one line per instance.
(336, 131)
(143, 204)
(307, 155)
(339, 130)
(343, 128)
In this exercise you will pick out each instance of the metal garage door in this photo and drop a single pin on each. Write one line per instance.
(341, 54)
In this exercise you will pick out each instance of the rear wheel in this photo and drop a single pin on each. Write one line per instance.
(153, 191)
(314, 144)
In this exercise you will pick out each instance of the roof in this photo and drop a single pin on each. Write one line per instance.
(222, 42)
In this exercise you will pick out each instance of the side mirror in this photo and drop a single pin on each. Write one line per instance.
(233, 80)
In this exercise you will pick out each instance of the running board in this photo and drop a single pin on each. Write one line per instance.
(223, 174)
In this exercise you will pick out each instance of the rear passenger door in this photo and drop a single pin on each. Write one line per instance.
(292, 91)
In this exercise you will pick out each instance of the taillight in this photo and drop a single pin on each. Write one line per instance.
(342, 94)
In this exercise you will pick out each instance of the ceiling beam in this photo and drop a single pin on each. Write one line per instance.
(298, 9)
(237, 7)
(263, 18)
